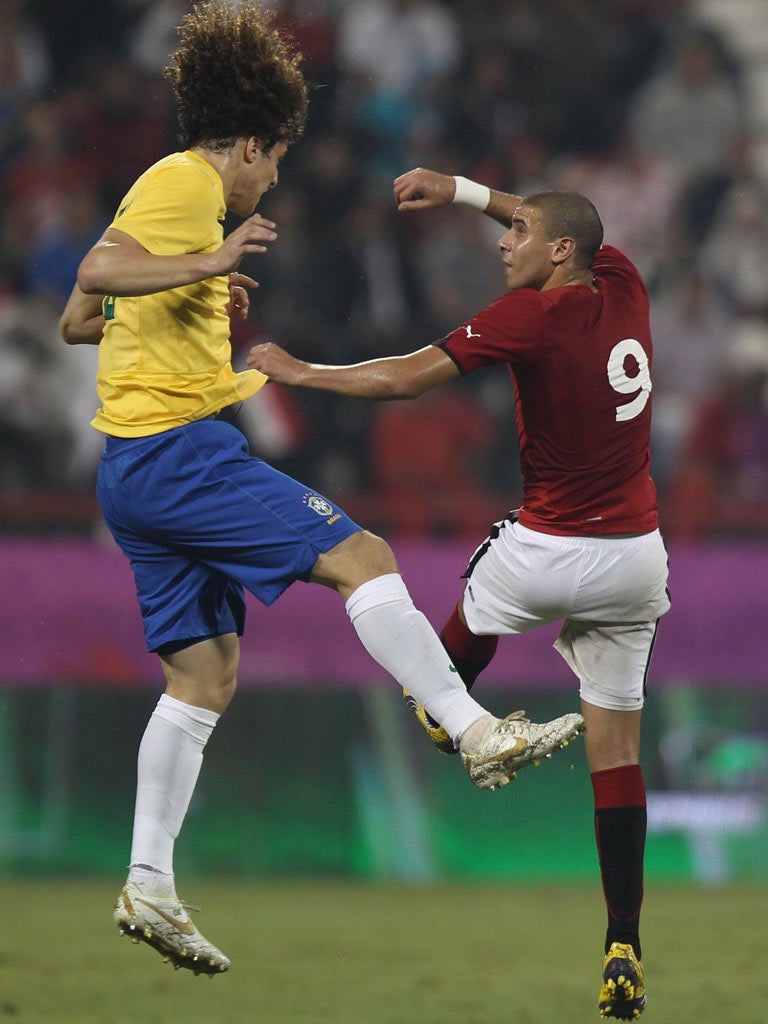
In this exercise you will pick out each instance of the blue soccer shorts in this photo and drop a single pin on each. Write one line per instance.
(200, 519)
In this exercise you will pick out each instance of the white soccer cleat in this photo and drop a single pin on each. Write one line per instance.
(164, 923)
(515, 742)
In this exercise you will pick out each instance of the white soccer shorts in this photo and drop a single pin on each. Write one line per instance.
(610, 592)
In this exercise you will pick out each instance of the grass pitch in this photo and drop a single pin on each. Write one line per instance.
(349, 953)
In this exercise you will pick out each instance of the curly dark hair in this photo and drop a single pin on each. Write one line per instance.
(235, 76)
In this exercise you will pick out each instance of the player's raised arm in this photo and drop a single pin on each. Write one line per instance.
(422, 189)
(394, 377)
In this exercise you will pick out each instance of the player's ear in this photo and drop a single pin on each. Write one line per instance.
(563, 249)
(252, 148)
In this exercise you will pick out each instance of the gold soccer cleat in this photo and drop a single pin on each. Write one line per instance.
(622, 994)
(164, 924)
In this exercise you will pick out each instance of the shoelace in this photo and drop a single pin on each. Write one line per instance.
(516, 716)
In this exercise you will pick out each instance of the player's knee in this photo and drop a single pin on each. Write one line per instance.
(373, 553)
(361, 557)
(221, 692)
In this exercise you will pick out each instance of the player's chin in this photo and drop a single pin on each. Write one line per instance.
(242, 207)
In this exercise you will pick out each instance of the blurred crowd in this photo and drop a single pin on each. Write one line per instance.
(636, 103)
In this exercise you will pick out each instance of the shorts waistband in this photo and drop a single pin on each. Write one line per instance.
(114, 444)
(576, 541)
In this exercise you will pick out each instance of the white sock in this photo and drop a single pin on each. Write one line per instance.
(151, 881)
(170, 757)
(473, 738)
(398, 636)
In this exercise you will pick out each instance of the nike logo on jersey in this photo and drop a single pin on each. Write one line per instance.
(470, 333)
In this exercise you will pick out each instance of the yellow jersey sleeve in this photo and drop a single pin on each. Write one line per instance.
(165, 359)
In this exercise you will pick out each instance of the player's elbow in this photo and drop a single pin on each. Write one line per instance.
(75, 331)
(67, 329)
(96, 273)
(403, 390)
(408, 385)
(88, 279)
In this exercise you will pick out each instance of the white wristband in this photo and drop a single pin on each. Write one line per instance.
(471, 193)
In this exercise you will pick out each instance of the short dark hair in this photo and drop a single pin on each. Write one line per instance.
(235, 76)
(573, 215)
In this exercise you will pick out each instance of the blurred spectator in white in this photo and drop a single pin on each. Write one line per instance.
(392, 45)
(637, 195)
(36, 404)
(735, 252)
(154, 34)
(25, 57)
(387, 51)
(691, 113)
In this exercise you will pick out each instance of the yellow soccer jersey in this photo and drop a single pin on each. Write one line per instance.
(165, 359)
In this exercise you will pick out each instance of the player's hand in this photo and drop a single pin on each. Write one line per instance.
(248, 237)
(275, 362)
(421, 189)
(239, 299)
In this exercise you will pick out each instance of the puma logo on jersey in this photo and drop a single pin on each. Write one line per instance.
(470, 333)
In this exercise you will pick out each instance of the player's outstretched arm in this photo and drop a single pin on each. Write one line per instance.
(395, 377)
(422, 189)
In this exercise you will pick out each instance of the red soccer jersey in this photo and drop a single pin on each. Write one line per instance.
(580, 363)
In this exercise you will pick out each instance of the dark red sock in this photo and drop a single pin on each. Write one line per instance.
(470, 654)
(620, 826)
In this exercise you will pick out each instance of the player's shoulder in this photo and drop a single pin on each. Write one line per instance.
(179, 180)
(186, 167)
(518, 300)
(609, 259)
